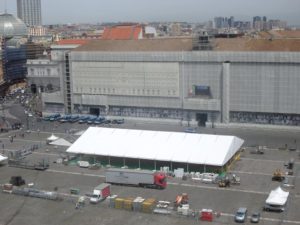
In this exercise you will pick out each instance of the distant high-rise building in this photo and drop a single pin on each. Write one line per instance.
(30, 12)
(265, 19)
(231, 21)
(219, 22)
(256, 19)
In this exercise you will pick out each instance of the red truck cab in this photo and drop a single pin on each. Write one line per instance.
(160, 180)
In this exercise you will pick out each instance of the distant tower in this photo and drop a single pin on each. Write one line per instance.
(30, 12)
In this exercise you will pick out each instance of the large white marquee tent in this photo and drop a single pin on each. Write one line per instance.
(191, 148)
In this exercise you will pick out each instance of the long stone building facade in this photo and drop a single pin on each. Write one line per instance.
(166, 79)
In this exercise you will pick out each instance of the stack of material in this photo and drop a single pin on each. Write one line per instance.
(179, 172)
(183, 209)
(7, 188)
(148, 205)
(128, 204)
(163, 208)
(137, 204)
(36, 193)
(112, 200)
(119, 203)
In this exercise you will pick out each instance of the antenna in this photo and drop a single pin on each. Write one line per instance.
(5, 7)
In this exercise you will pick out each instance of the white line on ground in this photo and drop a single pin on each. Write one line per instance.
(264, 160)
(169, 183)
(217, 188)
(74, 173)
(265, 219)
(43, 153)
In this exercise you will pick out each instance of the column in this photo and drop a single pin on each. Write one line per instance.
(225, 109)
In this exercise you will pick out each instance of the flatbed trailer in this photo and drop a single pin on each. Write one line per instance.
(25, 165)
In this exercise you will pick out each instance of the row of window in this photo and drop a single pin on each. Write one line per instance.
(42, 72)
(118, 91)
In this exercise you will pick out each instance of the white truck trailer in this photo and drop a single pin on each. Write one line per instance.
(143, 178)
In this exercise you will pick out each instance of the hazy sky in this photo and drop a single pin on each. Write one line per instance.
(73, 11)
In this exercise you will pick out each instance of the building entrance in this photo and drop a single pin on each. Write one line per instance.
(95, 111)
(201, 119)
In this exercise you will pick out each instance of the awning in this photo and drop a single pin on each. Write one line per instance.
(277, 197)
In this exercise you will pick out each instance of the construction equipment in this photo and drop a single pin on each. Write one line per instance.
(224, 182)
(17, 181)
(181, 200)
(235, 179)
(278, 175)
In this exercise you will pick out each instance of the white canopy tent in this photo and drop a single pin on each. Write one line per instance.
(52, 138)
(277, 197)
(61, 142)
(192, 148)
(3, 159)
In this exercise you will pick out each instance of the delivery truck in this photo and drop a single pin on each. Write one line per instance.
(100, 193)
(142, 178)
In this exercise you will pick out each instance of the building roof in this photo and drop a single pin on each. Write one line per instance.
(252, 44)
(163, 44)
(72, 42)
(122, 32)
(193, 148)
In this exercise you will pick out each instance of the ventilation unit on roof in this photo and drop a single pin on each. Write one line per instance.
(202, 41)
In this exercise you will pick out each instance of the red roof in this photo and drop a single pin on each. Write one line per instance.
(131, 32)
(72, 42)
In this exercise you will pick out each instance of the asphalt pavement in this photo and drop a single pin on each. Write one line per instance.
(255, 172)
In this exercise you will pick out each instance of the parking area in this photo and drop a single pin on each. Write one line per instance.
(255, 171)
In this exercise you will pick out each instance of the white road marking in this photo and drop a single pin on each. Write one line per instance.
(251, 173)
(266, 160)
(217, 188)
(43, 153)
(264, 218)
(74, 173)
(256, 173)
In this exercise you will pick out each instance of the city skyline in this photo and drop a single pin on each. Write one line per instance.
(54, 11)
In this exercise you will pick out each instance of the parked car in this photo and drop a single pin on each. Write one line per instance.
(83, 119)
(190, 130)
(73, 119)
(92, 119)
(255, 217)
(64, 119)
(241, 215)
(99, 120)
(285, 181)
(55, 118)
(107, 121)
(118, 121)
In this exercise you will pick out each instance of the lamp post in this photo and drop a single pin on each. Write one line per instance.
(27, 120)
